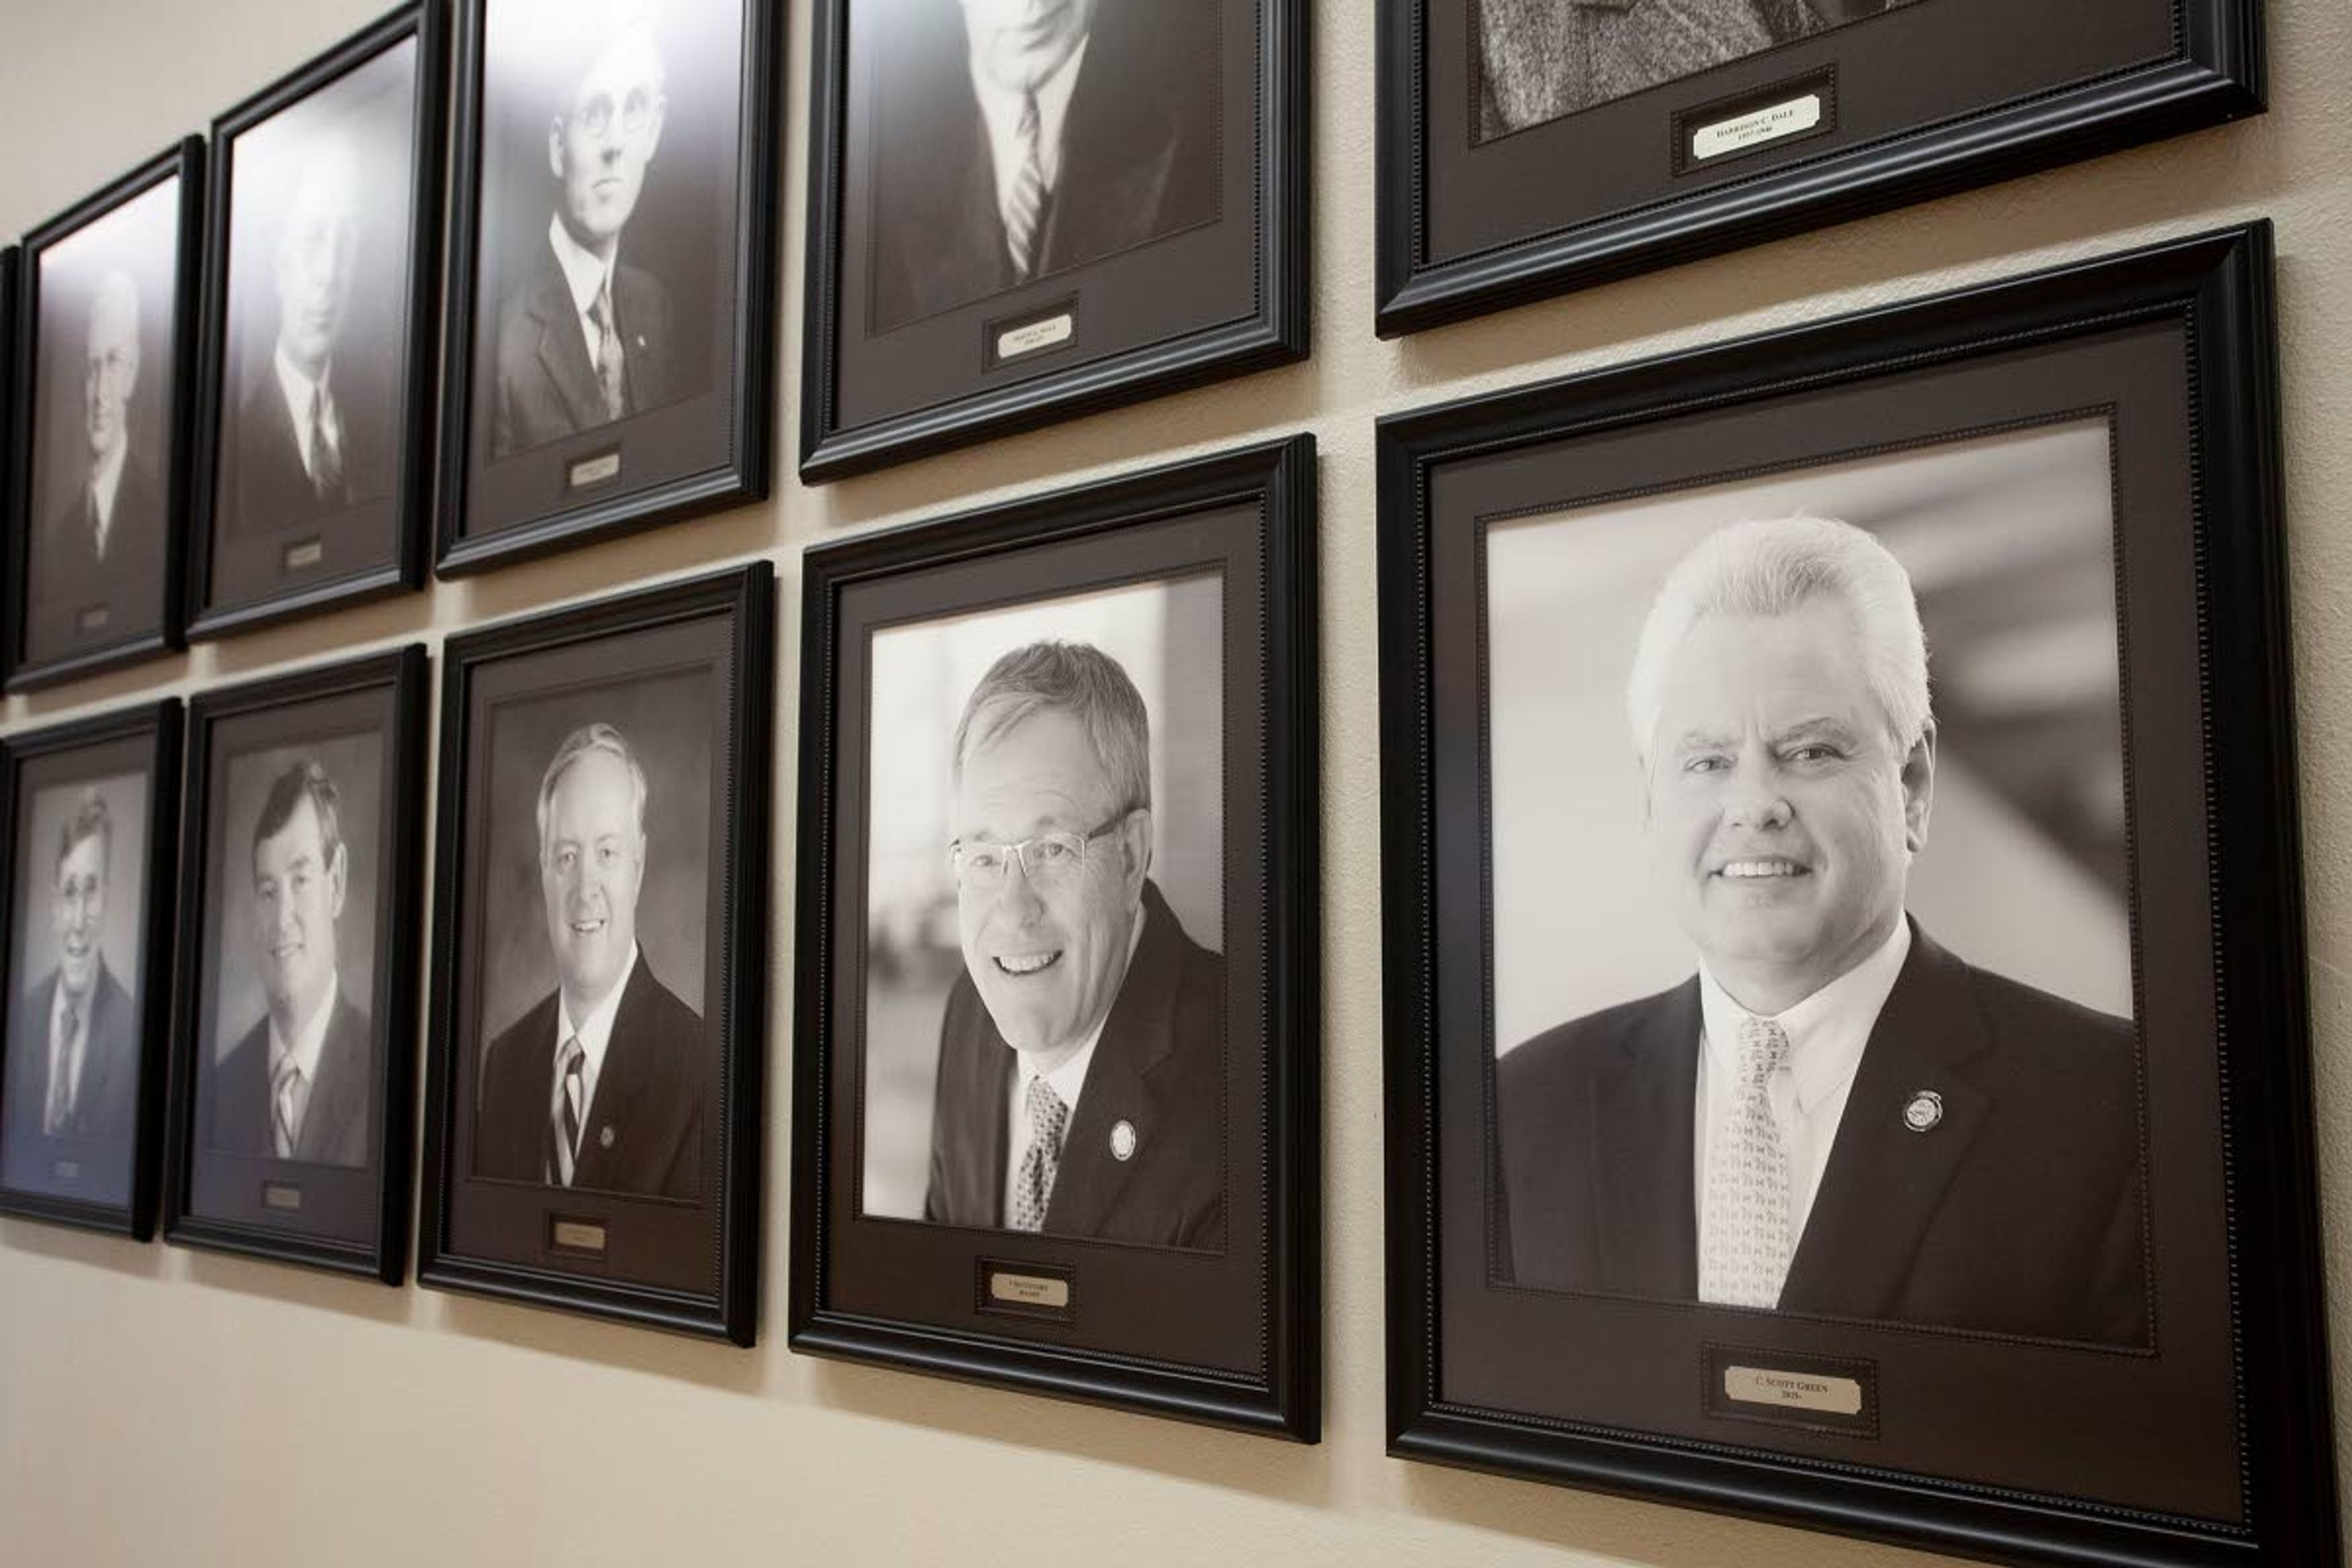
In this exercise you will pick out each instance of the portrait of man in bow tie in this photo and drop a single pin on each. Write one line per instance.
(1080, 1088)
(297, 1085)
(100, 560)
(73, 1046)
(585, 336)
(1019, 139)
(599, 1084)
(1834, 1115)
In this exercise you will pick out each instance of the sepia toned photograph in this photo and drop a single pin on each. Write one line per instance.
(79, 1071)
(592, 1138)
(318, 330)
(1044, 1028)
(615, 246)
(108, 304)
(291, 1113)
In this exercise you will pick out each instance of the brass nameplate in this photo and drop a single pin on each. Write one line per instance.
(1836, 1394)
(92, 618)
(595, 470)
(1773, 122)
(1792, 1389)
(1051, 332)
(303, 556)
(281, 1196)
(576, 1234)
(65, 1170)
(1027, 1289)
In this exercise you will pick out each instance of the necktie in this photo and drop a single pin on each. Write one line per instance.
(1749, 1238)
(1048, 1118)
(326, 460)
(285, 1098)
(1028, 203)
(568, 1107)
(64, 1072)
(609, 372)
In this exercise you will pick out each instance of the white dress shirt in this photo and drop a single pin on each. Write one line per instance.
(105, 481)
(1066, 1081)
(595, 1032)
(301, 390)
(67, 1051)
(1827, 1033)
(587, 274)
(1000, 110)
(303, 1051)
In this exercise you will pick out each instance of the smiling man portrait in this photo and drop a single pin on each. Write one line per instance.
(1079, 1087)
(74, 1043)
(1834, 1115)
(600, 1084)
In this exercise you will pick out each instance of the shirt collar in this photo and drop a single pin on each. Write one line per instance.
(309, 1040)
(298, 388)
(1068, 1080)
(1001, 107)
(57, 1004)
(595, 1030)
(1827, 1031)
(584, 272)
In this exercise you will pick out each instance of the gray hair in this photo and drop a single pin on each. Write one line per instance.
(1770, 568)
(91, 819)
(1072, 678)
(579, 743)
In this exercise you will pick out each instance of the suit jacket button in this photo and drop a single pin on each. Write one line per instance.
(1123, 1140)
(1925, 1109)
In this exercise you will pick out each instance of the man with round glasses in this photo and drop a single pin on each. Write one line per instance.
(586, 340)
(1080, 1058)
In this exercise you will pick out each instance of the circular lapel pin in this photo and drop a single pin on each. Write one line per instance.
(1123, 1140)
(1925, 1109)
(604, 1136)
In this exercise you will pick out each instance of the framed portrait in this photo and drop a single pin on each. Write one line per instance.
(612, 317)
(592, 1138)
(1022, 214)
(315, 400)
(1847, 1054)
(294, 1025)
(1530, 147)
(105, 328)
(88, 855)
(1056, 1107)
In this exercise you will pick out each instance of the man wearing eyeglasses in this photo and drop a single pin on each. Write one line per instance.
(585, 341)
(101, 561)
(1080, 1075)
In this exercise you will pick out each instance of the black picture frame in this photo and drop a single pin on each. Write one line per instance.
(2185, 64)
(324, 1210)
(407, 460)
(743, 414)
(995, 397)
(914, 1296)
(12, 259)
(182, 161)
(2215, 652)
(154, 729)
(729, 618)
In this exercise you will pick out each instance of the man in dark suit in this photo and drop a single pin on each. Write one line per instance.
(1081, 1074)
(73, 1070)
(1835, 1116)
(584, 339)
(297, 1085)
(599, 1085)
(99, 566)
(1035, 138)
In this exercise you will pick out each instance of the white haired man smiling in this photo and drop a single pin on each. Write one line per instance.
(1834, 1115)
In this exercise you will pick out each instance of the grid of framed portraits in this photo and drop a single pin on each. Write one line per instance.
(600, 955)
(85, 861)
(1529, 147)
(1055, 1107)
(294, 1029)
(1023, 212)
(1943, 1067)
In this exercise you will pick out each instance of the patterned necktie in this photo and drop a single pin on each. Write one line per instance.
(1028, 203)
(62, 1073)
(326, 459)
(286, 1098)
(609, 374)
(569, 1107)
(1749, 1238)
(1048, 1118)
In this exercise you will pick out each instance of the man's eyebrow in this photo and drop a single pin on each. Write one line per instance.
(1699, 739)
(1821, 725)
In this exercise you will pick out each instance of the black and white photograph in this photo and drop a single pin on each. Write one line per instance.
(596, 1027)
(1529, 148)
(290, 1106)
(1046, 1029)
(106, 309)
(318, 331)
(89, 837)
(1839, 1009)
(1055, 1107)
(611, 322)
(1030, 197)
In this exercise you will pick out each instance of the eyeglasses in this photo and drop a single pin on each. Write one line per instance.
(636, 111)
(1047, 860)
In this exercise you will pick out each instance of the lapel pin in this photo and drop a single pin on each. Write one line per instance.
(604, 1136)
(1123, 1140)
(1925, 1109)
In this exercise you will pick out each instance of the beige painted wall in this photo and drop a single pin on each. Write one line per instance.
(158, 1406)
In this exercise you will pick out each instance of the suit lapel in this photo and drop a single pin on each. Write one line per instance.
(623, 1081)
(342, 1079)
(1641, 1142)
(1136, 1038)
(562, 348)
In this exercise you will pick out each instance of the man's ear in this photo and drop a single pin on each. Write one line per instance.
(1135, 851)
(555, 147)
(338, 875)
(1919, 788)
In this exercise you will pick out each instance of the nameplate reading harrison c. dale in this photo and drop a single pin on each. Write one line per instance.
(1792, 117)
(301, 557)
(284, 1196)
(1051, 332)
(586, 1235)
(595, 470)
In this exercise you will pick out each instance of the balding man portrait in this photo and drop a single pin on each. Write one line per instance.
(100, 568)
(599, 1085)
(584, 338)
(1019, 138)
(298, 1085)
(73, 1044)
(1080, 1078)
(1834, 1115)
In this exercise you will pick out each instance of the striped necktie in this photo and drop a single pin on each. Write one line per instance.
(568, 1109)
(64, 1072)
(611, 372)
(1027, 204)
(286, 1097)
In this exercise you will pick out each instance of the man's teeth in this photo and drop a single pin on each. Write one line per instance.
(1759, 869)
(1028, 965)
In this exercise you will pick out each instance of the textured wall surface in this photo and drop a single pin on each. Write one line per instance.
(158, 1406)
